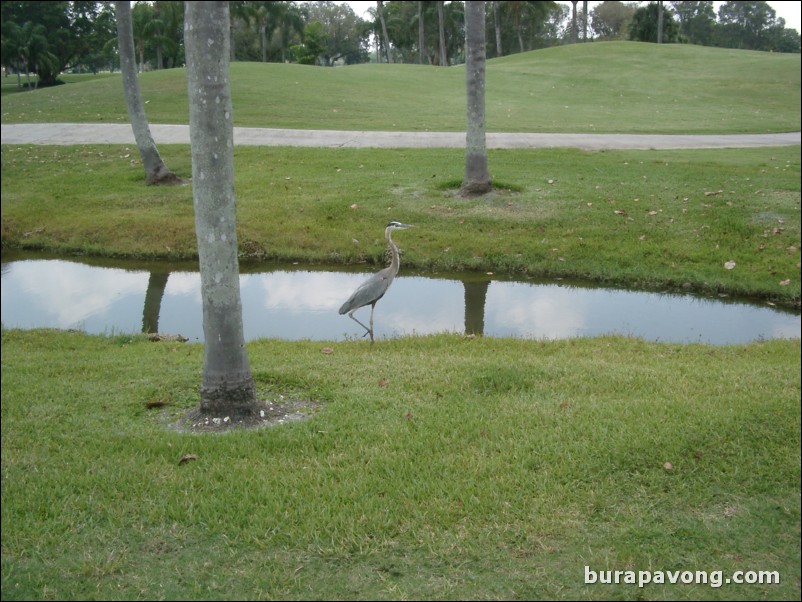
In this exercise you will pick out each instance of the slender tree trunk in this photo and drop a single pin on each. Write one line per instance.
(156, 172)
(442, 25)
(574, 27)
(231, 51)
(421, 37)
(497, 25)
(660, 22)
(227, 387)
(385, 37)
(585, 20)
(477, 176)
(263, 40)
(159, 58)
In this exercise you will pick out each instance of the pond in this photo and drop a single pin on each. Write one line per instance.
(300, 302)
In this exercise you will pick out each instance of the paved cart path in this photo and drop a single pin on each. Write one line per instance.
(120, 133)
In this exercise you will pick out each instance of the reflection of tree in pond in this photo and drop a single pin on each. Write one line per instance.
(153, 301)
(475, 297)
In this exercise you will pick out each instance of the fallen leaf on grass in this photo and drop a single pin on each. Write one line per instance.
(187, 458)
(327, 350)
(785, 282)
(730, 265)
(668, 466)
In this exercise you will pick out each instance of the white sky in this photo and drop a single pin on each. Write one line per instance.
(789, 10)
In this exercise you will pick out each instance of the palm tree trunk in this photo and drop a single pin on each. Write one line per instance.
(263, 40)
(421, 38)
(227, 387)
(574, 27)
(385, 37)
(585, 20)
(660, 22)
(442, 21)
(477, 176)
(156, 172)
(497, 25)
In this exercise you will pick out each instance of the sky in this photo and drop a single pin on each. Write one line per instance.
(789, 10)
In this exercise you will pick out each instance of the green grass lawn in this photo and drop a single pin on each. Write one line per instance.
(612, 87)
(439, 467)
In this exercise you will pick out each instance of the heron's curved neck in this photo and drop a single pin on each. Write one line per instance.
(395, 262)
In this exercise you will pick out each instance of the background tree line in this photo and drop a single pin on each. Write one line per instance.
(47, 38)
(747, 25)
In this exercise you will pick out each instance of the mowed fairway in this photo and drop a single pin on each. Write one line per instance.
(604, 87)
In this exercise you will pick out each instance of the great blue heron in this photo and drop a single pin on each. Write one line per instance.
(373, 289)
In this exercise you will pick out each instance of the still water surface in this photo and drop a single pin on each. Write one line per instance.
(294, 303)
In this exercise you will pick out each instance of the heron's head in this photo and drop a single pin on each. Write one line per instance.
(398, 226)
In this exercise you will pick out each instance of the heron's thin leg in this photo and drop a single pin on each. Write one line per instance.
(372, 307)
(367, 330)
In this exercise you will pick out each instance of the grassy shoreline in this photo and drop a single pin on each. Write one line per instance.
(646, 219)
(436, 467)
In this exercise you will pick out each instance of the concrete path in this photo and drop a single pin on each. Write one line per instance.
(118, 133)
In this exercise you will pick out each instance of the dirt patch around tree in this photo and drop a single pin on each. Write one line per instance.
(267, 414)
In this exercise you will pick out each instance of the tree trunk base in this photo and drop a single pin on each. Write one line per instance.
(474, 189)
(269, 413)
(234, 401)
(165, 177)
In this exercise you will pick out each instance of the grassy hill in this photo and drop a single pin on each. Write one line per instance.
(602, 87)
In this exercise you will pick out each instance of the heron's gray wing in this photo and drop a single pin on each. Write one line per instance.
(368, 292)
